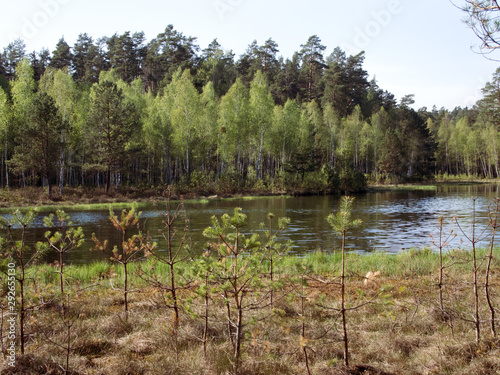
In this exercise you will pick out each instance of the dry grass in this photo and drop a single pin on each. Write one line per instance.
(402, 331)
(29, 196)
(85, 197)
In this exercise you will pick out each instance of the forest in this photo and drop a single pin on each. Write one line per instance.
(122, 111)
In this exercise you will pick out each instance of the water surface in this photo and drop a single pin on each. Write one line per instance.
(392, 221)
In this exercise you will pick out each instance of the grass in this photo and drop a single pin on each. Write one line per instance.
(403, 187)
(84, 199)
(401, 331)
(411, 262)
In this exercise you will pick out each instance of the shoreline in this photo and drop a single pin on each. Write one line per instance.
(75, 199)
(417, 262)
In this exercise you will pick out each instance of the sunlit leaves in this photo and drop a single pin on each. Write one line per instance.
(341, 221)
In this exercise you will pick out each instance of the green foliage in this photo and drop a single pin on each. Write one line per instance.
(352, 181)
(111, 123)
(18, 249)
(341, 222)
(227, 230)
(237, 270)
(132, 247)
(39, 145)
(63, 240)
(135, 114)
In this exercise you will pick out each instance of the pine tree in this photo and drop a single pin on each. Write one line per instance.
(312, 66)
(111, 123)
(61, 56)
(13, 54)
(39, 145)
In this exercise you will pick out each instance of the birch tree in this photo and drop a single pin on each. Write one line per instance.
(185, 113)
(261, 107)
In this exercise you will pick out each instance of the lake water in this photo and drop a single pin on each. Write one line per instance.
(392, 221)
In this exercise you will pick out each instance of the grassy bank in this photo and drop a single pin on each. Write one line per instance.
(399, 265)
(402, 187)
(402, 327)
(80, 199)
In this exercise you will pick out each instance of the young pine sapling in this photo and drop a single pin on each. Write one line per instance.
(272, 248)
(493, 223)
(65, 239)
(341, 223)
(477, 263)
(131, 249)
(19, 253)
(238, 269)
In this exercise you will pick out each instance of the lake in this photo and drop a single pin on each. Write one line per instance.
(392, 220)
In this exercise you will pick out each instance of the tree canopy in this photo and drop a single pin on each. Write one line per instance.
(122, 110)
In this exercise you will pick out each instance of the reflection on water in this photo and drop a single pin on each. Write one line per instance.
(392, 221)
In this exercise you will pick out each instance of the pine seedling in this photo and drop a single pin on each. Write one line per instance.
(442, 242)
(341, 223)
(477, 263)
(65, 239)
(272, 248)
(131, 249)
(177, 251)
(18, 252)
(493, 223)
(237, 271)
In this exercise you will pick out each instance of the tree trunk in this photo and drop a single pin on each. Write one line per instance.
(342, 308)
(108, 179)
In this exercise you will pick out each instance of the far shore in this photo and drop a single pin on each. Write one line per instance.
(75, 199)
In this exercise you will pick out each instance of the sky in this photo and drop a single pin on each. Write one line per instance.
(414, 47)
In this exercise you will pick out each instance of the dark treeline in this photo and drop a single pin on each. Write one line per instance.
(123, 111)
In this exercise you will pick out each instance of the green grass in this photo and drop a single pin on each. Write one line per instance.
(79, 207)
(69, 207)
(404, 187)
(415, 262)
(404, 264)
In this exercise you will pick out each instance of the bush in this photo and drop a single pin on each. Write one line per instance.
(352, 181)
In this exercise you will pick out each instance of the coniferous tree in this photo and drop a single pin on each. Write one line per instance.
(216, 66)
(490, 105)
(312, 67)
(3, 71)
(482, 18)
(39, 61)
(12, 56)
(110, 125)
(418, 152)
(292, 80)
(89, 59)
(61, 56)
(126, 53)
(40, 146)
(168, 52)
(346, 82)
